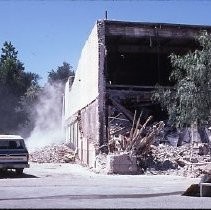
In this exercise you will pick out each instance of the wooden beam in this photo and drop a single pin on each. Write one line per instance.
(122, 109)
(140, 31)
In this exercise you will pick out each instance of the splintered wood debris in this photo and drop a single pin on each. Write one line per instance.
(137, 140)
(53, 154)
(156, 156)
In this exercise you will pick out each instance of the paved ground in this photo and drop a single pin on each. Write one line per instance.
(72, 186)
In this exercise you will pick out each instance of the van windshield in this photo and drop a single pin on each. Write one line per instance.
(11, 144)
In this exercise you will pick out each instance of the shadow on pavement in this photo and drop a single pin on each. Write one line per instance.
(9, 174)
(97, 196)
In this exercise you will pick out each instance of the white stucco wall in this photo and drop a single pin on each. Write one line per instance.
(85, 87)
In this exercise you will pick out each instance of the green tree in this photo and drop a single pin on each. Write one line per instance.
(27, 109)
(189, 101)
(61, 74)
(14, 83)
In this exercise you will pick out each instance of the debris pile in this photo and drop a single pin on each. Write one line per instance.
(158, 148)
(167, 159)
(53, 154)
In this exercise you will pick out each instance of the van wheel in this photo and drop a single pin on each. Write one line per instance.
(19, 171)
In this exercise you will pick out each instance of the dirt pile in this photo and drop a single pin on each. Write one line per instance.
(53, 154)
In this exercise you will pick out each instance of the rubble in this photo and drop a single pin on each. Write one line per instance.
(152, 147)
(164, 159)
(167, 159)
(160, 149)
(53, 154)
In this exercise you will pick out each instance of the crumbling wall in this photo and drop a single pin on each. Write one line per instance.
(103, 132)
(88, 128)
(80, 114)
(82, 133)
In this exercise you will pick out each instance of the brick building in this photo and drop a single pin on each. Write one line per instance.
(119, 67)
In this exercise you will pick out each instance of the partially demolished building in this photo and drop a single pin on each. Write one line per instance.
(120, 65)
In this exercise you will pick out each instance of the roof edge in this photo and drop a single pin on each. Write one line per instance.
(154, 24)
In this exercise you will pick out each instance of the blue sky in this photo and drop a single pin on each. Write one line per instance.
(48, 32)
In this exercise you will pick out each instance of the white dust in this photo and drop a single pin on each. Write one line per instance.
(48, 122)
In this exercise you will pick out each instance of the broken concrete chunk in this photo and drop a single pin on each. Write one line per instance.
(121, 164)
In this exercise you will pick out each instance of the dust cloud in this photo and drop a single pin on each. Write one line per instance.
(48, 118)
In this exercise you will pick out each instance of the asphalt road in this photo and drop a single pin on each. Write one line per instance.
(72, 186)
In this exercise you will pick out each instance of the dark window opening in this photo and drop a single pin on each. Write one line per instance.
(143, 62)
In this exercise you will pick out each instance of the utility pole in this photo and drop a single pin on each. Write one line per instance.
(106, 15)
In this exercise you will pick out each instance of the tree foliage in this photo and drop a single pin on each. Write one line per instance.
(189, 101)
(61, 74)
(14, 84)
